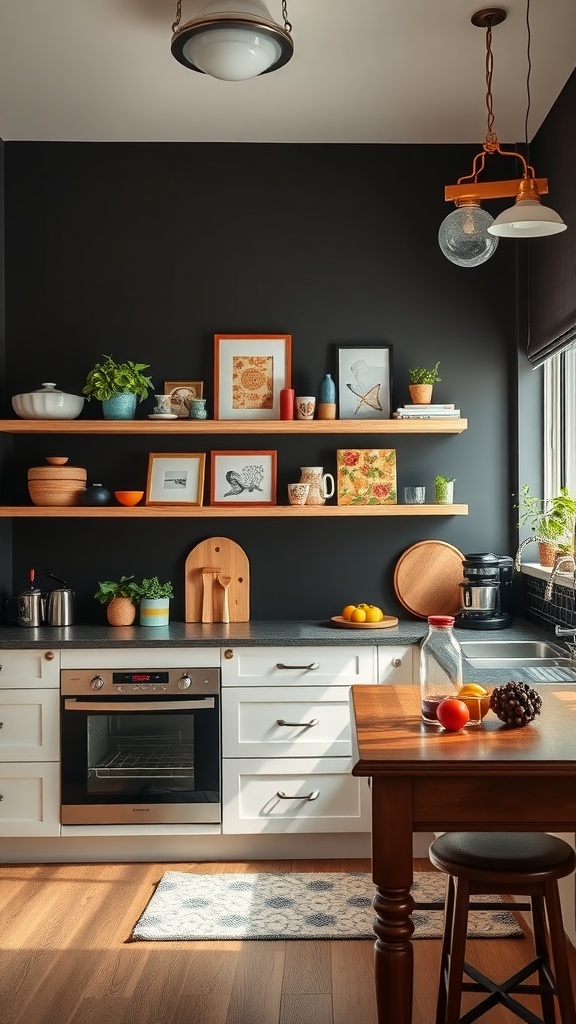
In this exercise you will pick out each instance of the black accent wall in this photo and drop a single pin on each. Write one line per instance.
(145, 251)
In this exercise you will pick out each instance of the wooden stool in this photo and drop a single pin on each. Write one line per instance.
(514, 864)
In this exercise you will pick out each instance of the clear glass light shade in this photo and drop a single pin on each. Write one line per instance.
(463, 236)
(232, 54)
(527, 219)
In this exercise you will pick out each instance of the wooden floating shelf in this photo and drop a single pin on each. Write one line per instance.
(201, 427)
(210, 512)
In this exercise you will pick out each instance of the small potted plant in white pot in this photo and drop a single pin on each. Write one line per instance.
(154, 602)
(120, 598)
(422, 382)
(119, 386)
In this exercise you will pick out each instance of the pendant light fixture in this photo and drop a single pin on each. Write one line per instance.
(469, 235)
(233, 40)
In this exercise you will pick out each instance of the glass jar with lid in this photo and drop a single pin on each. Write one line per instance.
(440, 666)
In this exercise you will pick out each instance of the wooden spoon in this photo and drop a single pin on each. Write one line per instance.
(225, 582)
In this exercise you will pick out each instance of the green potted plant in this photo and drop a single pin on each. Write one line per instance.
(120, 598)
(443, 490)
(422, 382)
(551, 520)
(118, 386)
(154, 601)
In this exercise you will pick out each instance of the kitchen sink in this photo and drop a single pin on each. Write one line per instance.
(531, 660)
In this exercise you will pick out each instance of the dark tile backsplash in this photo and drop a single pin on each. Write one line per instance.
(547, 614)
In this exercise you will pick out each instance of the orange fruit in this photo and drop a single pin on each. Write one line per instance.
(473, 695)
(374, 613)
(363, 605)
(347, 611)
(358, 615)
(472, 690)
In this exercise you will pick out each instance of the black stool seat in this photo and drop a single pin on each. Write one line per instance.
(501, 863)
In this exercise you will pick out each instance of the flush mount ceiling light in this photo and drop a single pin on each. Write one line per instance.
(469, 235)
(233, 40)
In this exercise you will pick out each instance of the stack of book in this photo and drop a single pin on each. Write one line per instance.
(427, 412)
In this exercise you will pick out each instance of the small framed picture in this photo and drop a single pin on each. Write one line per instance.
(181, 391)
(250, 371)
(175, 479)
(364, 382)
(243, 478)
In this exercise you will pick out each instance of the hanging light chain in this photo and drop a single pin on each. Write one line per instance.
(176, 23)
(491, 136)
(287, 24)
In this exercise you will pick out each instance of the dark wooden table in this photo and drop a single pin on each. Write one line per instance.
(425, 779)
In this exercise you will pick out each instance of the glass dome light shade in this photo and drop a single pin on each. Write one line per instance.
(233, 40)
(527, 219)
(463, 236)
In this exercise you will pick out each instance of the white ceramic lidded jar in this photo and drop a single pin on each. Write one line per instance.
(440, 666)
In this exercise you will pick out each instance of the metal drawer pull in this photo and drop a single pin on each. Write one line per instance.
(396, 662)
(311, 796)
(1, 796)
(313, 665)
(299, 725)
(135, 706)
(1, 725)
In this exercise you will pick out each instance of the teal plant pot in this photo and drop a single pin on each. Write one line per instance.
(154, 611)
(119, 407)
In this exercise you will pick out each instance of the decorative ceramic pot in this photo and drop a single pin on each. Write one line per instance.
(121, 611)
(154, 611)
(119, 407)
(198, 409)
(96, 494)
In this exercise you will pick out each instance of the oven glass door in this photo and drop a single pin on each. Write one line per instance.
(141, 753)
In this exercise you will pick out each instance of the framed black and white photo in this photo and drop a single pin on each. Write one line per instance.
(364, 382)
(175, 479)
(243, 478)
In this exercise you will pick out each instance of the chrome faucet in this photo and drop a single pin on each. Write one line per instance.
(559, 562)
(525, 542)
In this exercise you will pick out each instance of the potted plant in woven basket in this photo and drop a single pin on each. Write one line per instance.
(154, 602)
(422, 382)
(552, 522)
(119, 386)
(120, 598)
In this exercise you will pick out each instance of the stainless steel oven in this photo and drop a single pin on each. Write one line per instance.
(140, 746)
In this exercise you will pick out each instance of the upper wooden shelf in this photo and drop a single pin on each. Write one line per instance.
(186, 426)
(223, 511)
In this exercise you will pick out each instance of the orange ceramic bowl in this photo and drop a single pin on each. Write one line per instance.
(128, 497)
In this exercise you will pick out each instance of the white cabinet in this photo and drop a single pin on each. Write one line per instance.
(286, 739)
(29, 743)
(397, 666)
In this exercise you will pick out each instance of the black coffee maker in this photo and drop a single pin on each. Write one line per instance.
(486, 591)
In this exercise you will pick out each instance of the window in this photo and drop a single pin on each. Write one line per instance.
(560, 422)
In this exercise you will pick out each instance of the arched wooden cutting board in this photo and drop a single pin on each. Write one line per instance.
(427, 578)
(232, 561)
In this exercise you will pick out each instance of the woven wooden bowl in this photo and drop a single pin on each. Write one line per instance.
(56, 484)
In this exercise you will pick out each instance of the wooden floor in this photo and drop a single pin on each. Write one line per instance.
(65, 958)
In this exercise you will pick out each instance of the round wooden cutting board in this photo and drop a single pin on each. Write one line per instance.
(427, 578)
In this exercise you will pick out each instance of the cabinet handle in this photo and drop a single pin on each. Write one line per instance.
(228, 654)
(396, 662)
(49, 655)
(299, 725)
(1, 796)
(1, 725)
(308, 668)
(311, 796)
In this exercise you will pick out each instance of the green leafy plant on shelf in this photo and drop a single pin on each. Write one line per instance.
(110, 378)
(126, 586)
(420, 375)
(154, 590)
(550, 519)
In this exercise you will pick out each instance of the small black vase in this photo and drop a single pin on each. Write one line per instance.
(96, 494)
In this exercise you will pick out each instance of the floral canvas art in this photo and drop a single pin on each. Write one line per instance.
(366, 476)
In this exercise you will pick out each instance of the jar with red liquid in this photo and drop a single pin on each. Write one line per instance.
(440, 666)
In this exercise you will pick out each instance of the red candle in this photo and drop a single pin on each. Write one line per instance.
(287, 404)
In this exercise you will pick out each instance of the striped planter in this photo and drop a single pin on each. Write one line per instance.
(154, 611)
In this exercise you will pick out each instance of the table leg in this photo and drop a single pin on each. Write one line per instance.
(392, 872)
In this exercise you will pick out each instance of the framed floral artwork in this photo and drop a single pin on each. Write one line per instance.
(366, 476)
(364, 382)
(175, 479)
(243, 478)
(250, 371)
(181, 393)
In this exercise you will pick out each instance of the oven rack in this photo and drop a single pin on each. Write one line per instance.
(147, 762)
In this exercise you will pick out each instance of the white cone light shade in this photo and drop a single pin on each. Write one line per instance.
(463, 236)
(527, 219)
(233, 40)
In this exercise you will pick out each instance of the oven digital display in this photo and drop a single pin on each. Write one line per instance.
(140, 677)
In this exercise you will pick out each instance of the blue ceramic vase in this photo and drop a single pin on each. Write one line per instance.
(327, 390)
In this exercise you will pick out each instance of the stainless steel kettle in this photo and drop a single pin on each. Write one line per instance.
(27, 609)
(60, 604)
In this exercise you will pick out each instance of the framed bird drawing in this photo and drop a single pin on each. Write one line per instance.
(243, 478)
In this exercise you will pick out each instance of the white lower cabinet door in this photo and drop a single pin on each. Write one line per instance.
(29, 799)
(29, 725)
(29, 669)
(302, 721)
(397, 666)
(293, 795)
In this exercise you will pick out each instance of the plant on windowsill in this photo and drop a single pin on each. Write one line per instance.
(120, 598)
(119, 386)
(551, 520)
(422, 382)
(154, 601)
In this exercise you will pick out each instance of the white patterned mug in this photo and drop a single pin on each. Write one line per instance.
(305, 407)
(321, 484)
(297, 493)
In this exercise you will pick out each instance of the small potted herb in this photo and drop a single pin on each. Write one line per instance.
(443, 490)
(119, 386)
(154, 602)
(120, 597)
(422, 382)
(551, 520)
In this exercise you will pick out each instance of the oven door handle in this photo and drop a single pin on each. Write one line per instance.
(135, 706)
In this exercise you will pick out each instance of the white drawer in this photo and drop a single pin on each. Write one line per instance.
(396, 665)
(252, 804)
(23, 669)
(29, 725)
(317, 721)
(265, 666)
(143, 657)
(29, 800)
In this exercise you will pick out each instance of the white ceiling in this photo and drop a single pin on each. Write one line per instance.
(372, 71)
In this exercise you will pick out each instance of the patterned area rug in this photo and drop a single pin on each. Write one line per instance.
(296, 905)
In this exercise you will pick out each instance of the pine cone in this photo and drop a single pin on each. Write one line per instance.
(515, 704)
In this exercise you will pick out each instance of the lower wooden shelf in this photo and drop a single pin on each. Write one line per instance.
(225, 511)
